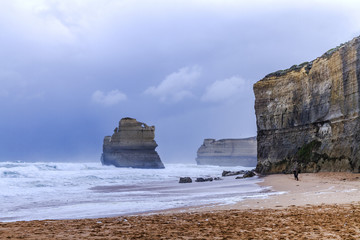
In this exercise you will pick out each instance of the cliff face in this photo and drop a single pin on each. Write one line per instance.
(228, 152)
(308, 116)
(131, 145)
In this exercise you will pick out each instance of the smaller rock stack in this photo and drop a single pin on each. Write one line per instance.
(131, 145)
(228, 152)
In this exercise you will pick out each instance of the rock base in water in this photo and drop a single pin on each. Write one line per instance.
(131, 145)
(228, 152)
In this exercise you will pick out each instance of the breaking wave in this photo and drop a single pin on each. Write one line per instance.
(56, 190)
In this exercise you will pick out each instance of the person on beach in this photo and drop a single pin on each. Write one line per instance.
(296, 174)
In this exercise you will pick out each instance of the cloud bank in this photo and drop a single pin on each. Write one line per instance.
(56, 53)
(176, 86)
(222, 90)
(111, 98)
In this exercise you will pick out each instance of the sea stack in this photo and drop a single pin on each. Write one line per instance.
(228, 152)
(131, 145)
(308, 116)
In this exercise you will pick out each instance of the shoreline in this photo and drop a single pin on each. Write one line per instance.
(311, 189)
(320, 205)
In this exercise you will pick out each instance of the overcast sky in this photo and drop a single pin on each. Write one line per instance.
(71, 69)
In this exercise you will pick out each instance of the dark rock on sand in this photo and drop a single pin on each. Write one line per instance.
(210, 179)
(185, 180)
(232, 173)
(247, 174)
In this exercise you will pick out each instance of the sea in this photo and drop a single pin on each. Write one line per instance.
(57, 190)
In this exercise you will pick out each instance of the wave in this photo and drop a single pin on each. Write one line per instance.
(64, 190)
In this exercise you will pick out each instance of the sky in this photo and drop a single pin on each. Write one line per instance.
(71, 69)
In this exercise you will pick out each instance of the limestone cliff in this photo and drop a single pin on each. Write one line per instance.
(131, 145)
(228, 152)
(308, 116)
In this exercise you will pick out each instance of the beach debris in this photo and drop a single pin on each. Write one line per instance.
(232, 173)
(185, 180)
(209, 179)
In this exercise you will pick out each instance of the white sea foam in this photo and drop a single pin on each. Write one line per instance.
(32, 191)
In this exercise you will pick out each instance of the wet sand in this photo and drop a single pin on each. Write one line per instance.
(319, 206)
(312, 188)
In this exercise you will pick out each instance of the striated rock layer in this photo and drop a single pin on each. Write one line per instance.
(308, 116)
(228, 152)
(131, 145)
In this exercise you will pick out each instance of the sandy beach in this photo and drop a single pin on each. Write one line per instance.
(319, 206)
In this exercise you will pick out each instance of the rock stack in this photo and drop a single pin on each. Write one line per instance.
(228, 152)
(131, 145)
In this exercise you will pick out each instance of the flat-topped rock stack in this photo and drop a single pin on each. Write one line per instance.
(228, 152)
(308, 116)
(131, 145)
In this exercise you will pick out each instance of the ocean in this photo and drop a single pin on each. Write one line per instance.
(55, 190)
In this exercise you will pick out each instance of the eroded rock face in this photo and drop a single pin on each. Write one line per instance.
(228, 152)
(131, 145)
(308, 116)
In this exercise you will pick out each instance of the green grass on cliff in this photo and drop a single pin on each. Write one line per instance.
(305, 153)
